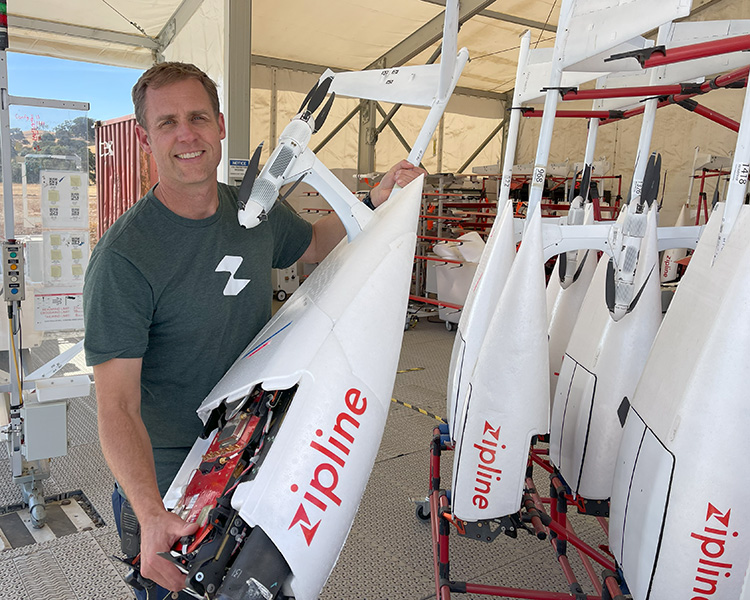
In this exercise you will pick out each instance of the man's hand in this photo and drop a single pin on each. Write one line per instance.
(158, 534)
(400, 174)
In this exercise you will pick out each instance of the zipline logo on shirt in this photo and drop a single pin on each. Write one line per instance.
(230, 264)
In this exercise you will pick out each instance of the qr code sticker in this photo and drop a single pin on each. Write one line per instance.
(75, 212)
(75, 196)
(53, 211)
(53, 181)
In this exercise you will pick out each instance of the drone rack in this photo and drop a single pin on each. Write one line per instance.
(551, 524)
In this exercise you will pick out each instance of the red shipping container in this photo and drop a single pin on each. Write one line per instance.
(124, 173)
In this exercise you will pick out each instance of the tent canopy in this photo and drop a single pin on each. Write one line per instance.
(340, 34)
(292, 41)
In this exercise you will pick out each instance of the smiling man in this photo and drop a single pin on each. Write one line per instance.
(175, 290)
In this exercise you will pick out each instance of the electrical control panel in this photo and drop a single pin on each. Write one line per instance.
(14, 288)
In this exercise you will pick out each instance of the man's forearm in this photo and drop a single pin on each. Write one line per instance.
(127, 450)
(125, 442)
(327, 233)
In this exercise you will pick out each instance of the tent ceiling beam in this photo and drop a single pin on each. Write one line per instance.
(288, 65)
(482, 146)
(104, 35)
(425, 36)
(338, 128)
(395, 130)
(498, 16)
(698, 7)
(387, 119)
(292, 65)
(177, 21)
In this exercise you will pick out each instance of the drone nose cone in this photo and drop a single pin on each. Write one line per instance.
(251, 215)
(619, 311)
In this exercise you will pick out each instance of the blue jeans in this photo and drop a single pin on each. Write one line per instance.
(156, 592)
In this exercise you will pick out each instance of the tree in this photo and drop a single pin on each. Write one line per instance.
(80, 128)
(16, 135)
(70, 138)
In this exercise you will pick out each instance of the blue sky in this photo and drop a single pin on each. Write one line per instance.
(106, 88)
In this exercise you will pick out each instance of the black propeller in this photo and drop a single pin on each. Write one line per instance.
(650, 189)
(307, 98)
(323, 114)
(585, 183)
(315, 98)
(594, 191)
(246, 187)
(572, 193)
(609, 287)
(562, 266)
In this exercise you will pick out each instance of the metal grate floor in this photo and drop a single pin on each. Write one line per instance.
(388, 555)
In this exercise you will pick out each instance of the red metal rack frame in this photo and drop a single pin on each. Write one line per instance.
(553, 525)
(702, 196)
(676, 94)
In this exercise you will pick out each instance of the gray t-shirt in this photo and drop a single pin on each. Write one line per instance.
(186, 296)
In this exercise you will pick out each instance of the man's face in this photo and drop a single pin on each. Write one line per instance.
(182, 133)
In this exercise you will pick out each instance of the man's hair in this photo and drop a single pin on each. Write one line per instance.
(164, 74)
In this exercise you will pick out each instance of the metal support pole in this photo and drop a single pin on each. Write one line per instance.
(647, 126)
(739, 177)
(579, 114)
(272, 134)
(440, 139)
(539, 173)
(5, 149)
(669, 56)
(366, 153)
(238, 24)
(710, 114)
(588, 157)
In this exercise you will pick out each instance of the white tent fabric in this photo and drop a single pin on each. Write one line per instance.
(352, 34)
(341, 34)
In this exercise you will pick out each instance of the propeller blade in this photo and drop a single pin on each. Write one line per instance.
(637, 297)
(572, 192)
(562, 265)
(323, 114)
(319, 94)
(246, 187)
(594, 191)
(585, 183)
(307, 98)
(609, 288)
(650, 189)
(663, 190)
(579, 270)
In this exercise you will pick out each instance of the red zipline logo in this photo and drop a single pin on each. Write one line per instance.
(486, 473)
(321, 490)
(713, 541)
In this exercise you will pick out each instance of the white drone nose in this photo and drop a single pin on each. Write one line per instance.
(251, 215)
